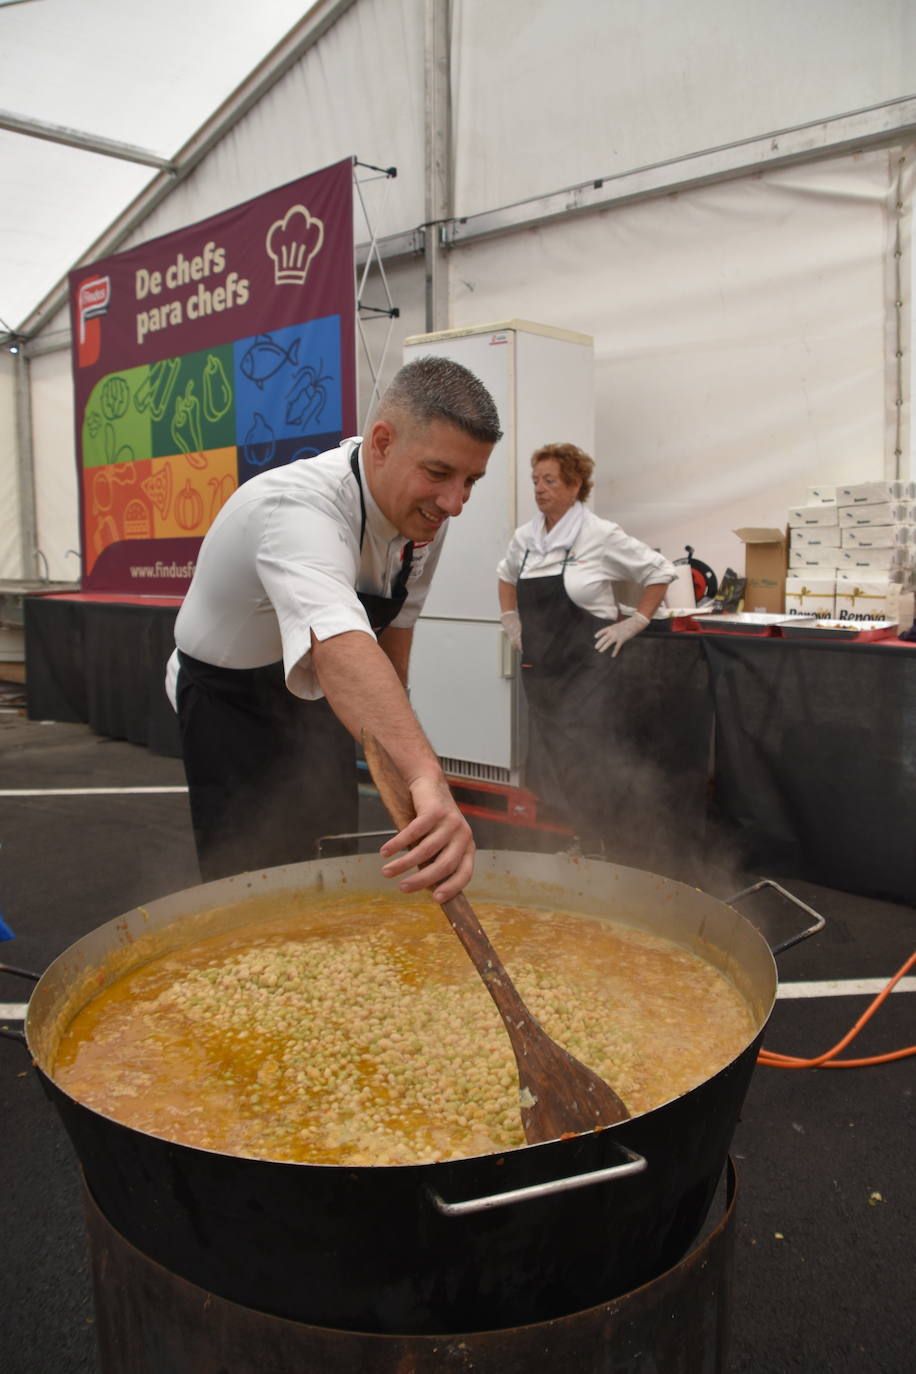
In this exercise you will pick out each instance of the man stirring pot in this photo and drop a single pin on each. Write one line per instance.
(295, 635)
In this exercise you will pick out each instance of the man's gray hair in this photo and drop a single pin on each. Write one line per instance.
(432, 388)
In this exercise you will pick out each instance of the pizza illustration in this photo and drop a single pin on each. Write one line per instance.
(158, 487)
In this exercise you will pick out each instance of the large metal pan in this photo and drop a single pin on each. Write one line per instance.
(465, 1245)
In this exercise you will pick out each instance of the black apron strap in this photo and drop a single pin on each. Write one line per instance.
(381, 610)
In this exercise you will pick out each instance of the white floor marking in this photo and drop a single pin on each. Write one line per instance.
(844, 987)
(82, 791)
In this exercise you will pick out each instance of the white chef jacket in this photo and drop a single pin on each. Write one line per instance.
(601, 554)
(282, 560)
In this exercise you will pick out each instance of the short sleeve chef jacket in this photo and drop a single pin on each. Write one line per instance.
(282, 561)
(601, 555)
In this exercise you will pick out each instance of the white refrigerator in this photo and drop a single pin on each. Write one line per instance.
(463, 673)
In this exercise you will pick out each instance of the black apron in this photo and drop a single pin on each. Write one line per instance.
(268, 772)
(572, 734)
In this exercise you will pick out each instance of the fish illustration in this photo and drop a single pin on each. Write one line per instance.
(264, 358)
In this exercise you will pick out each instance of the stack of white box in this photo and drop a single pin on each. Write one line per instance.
(852, 551)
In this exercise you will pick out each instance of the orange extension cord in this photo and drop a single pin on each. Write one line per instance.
(828, 1060)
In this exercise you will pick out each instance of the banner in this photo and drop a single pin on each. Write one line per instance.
(201, 358)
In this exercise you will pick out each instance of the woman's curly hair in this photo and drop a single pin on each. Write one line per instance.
(575, 465)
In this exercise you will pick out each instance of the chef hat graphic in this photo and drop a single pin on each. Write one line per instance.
(292, 242)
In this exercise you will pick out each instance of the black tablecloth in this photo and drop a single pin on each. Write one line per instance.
(102, 663)
(812, 775)
(815, 759)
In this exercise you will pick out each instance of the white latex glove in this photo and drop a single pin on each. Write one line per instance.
(618, 634)
(512, 624)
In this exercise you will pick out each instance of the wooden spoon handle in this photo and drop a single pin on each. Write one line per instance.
(557, 1093)
(398, 802)
(392, 788)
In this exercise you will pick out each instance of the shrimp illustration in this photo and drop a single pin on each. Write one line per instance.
(308, 396)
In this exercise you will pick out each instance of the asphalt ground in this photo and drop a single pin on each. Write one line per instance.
(824, 1264)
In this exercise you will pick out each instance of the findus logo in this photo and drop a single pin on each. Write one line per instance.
(93, 297)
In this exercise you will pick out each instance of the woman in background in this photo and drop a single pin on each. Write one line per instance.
(559, 609)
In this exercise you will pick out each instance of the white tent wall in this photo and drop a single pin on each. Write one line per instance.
(57, 494)
(550, 94)
(743, 328)
(334, 103)
(744, 345)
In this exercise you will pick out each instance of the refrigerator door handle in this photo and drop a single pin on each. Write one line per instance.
(507, 657)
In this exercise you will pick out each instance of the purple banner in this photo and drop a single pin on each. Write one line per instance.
(201, 358)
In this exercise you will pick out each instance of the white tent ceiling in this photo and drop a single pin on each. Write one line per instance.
(142, 75)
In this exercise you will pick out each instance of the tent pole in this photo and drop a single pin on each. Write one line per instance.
(28, 521)
(438, 156)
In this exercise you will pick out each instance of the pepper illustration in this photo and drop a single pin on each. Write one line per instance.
(185, 427)
(222, 489)
(155, 391)
(217, 391)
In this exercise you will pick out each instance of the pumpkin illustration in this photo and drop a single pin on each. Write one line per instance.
(189, 507)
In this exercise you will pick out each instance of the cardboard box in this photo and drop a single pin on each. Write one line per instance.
(874, 493)
(765, 557)
(817, 537)
(816, 558)
(870, 560)
(897, 513)
(871, 598)
(812, 515)
(879, 536)
(821, 496)
(811, 595)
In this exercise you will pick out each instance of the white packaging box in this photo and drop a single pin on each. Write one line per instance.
(817, 537)
(874, 493)
(874, 597)
(898, 513)
(830, 559)
(811, 595)
(812, 515)
(821, 496)
(878, 536)
(867, 561)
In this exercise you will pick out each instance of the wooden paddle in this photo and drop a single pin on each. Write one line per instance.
(557, 1094)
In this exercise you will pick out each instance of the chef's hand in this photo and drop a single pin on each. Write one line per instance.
(512, 624)
(440, 842)
(614, 636)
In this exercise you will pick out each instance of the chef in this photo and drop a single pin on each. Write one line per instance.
(559, 607)
(295, 635)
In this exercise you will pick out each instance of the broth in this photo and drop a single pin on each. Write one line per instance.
(359, 1032)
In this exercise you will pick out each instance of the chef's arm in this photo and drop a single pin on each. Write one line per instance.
(651, 599)
(397, 643)
(508, 613)
(508, 596)
(364, 691)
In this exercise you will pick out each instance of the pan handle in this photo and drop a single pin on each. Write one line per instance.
(634, 1164)
(5, 1031)
(819, 921)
